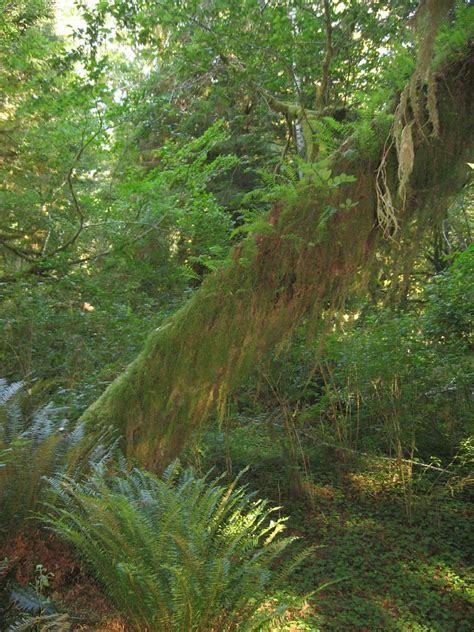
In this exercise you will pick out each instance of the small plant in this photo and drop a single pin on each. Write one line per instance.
(178, 552)
(42, 579)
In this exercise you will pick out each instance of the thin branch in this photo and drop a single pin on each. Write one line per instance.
(322, 90)
(128, 243)
(69, 180)
(22, 254)
(46, 269)
(425, 466)
(114, 222)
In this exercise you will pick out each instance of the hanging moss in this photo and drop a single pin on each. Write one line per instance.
(416, 115)
(190, 365)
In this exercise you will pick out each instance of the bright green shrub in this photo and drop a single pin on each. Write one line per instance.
(178, 552)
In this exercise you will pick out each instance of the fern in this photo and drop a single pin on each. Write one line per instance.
(56, 622)
(35, 446)
(280, 184)
(177, 552)
(28, 599)
(37, 611)
(330, 133)
(7, 391)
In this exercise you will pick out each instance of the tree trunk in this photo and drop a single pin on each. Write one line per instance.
(305, 258)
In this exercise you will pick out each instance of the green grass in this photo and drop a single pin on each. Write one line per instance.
(400, 574)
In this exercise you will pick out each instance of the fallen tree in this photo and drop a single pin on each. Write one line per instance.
(301, 260)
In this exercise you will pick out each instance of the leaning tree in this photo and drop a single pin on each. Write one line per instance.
(304, 257)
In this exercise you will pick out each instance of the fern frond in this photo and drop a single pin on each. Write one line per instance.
(7, 391)
(33, 447)
(57, 622)
(29, 600)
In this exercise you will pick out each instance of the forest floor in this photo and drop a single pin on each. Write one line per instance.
(385, 560)
(389, 560)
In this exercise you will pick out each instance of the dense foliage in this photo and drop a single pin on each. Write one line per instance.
(147, 148)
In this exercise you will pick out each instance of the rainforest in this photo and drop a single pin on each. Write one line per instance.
(236, 315)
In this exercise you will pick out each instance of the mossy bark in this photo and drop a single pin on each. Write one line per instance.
(306, 260)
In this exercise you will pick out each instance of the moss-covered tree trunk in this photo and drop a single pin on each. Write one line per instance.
(306, 257)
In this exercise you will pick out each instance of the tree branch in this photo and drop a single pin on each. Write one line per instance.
(69, 179)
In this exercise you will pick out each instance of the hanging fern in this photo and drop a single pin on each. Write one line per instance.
(279, 184)
(178, 552)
